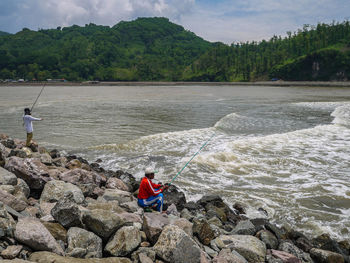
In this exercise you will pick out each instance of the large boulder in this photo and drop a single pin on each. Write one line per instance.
(83, 244)
(289, 247)
(116, 195)
(153, 224)
(173, 196)
(11, 252)
(325, 256)
(174, 245)
(12, 201)
(32, 171)
(7, 178)
(47, 257)
(228, 256)
(80, 176)
(7, 223)
(33, 233)
(116, 183)
(102, 222)
(251, 248)
(203, 231)
(56, 190)
(56, 230)
(124, 241)
(67, 213)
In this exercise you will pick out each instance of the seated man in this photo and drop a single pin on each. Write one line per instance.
(150, 194)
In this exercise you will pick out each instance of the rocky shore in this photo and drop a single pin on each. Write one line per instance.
(56, 208)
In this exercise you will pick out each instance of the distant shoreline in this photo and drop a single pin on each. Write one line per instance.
(183, 83)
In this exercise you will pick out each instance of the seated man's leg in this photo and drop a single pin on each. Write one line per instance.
(158, 199)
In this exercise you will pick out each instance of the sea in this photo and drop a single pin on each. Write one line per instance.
(282, 152)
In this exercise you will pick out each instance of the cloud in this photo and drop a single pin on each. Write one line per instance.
(220, 20)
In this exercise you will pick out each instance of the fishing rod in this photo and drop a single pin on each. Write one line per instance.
(37, 97)
(191, 159)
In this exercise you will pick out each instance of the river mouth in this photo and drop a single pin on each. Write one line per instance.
(283, 149)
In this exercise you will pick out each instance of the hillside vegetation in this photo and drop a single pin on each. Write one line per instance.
(156, 49)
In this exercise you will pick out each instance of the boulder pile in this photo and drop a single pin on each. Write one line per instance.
(56, 208)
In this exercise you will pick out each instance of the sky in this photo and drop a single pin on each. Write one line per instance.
(227, 21)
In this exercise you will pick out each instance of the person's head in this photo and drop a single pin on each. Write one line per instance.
(149, 172)
(27, 111)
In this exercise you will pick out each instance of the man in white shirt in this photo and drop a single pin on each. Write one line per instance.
(27, 121)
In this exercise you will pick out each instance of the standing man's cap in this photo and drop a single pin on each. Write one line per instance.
(150, 170)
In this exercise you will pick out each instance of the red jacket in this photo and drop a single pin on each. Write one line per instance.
(147, 188)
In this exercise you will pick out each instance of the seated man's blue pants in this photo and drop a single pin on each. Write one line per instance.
(150, 201)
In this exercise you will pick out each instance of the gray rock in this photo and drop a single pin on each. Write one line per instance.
(325, 256)
(23, 185)
(149, 252)
(153, 224)
(268, 238)
(45, 158)
(227, 256)
(116, 183)
(56, 190)
(32, 171)
(211, 252)
(203, 231)
(67, 213)
(117, 195)
(174, 245)
(32, 233)
(7, 178)
(12, 201)
(102, 222)
(294, 250)
(11, 252)
(47, 257)
(80, 176)
(7, 224)
(276, 256)
(124, 241)
(131, 206)
(244, 228)
(184, 224)
(174, 196)
(251, 248)
(89, 243)
(56, 230)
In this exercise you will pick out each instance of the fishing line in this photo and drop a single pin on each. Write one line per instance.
(38, 97)
(191, 159)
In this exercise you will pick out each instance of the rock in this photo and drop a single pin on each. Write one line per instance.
(173, 196)
(73, 164)
(185, 225)
(251, 248)
(9, 143)
(153, 224)
(47, 257)
(226, 256)
(172, 210)
(116, 183)
(131, 206)
(144, 258)
(11, 252)
(54, 153)
(244, 228)
(292, 249)
(282, 257)
(79, 176)
(60, 161)
(55, 191)
(130, 218)
(88, 242)
(32, 233)
(325, 242)
(45, 158)
(203, 231)
(102, 222)
(129, 180)
(32, 171)
(56, 230)
(149, 252)
(7, 178)
(24, 187)
(110, 206)
(46, 208)
(12, 201)
(325, 256)
(268, 238)
(124, 241)
(174, 245)
(67, 213)
(117, 195)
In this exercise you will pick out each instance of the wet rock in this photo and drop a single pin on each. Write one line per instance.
(226, 256)
(294, 250)
(173, 196)
(268, 238)
(124, 241)
(56, 190)
(67, 213)
(203, 231)
(325, 242)
(85, 241)
(21, 153)
(56, 230)
(153, 224)
(8, 143)
(7, 178)
(174, 245)
(278, 232)
(102, 222)
(115, 183)
(54, 154)
(325, 256)
(244, 228)
(11, 252)
(251, 248)
(304, 244)
(80, 176)
(47, 257)
(32, 233)
(32, 171)
(12, 201)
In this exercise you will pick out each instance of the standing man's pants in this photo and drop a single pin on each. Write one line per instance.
(29, 138)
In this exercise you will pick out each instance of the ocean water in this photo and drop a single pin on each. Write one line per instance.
(283, 149)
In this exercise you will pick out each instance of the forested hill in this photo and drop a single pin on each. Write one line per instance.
(2, 33)
(156, 49)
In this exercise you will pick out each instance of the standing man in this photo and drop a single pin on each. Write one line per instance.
(150, 194)
(27, 122)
